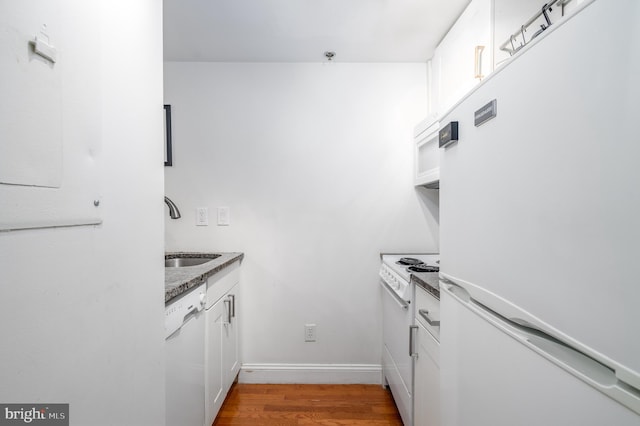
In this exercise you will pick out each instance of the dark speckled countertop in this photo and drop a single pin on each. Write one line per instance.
(429, 281)
(179, 280)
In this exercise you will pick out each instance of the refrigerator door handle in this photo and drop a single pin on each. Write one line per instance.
(593, 372)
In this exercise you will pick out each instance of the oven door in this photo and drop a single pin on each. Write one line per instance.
(397, 364)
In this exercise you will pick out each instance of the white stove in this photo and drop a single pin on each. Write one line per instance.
(398, 327)
(396, 270)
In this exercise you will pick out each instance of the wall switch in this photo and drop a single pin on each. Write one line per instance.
(309, 332)
(202, 216)
(223, 216)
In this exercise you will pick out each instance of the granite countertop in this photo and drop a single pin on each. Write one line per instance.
(179, 280)
(428, 281)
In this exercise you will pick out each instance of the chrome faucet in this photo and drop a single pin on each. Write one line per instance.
(173, 209)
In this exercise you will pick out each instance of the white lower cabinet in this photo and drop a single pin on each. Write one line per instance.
(230, 341)
(222, 352)
(214, 393)
(426, 395)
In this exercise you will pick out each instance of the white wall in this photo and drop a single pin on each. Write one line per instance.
(315, 162)
(81, 313)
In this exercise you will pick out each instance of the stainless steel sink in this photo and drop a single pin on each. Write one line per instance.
(179, 262)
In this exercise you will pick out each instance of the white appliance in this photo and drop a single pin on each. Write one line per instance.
(540, 229)
(426, 153)
(184, 362)
(397, 326)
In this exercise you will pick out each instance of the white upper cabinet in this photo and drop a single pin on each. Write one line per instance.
(517, 23)
(487, 34)
(463, 57)
(427, 154)
(509, 31)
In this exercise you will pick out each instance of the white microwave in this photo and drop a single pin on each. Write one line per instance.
(427, 153)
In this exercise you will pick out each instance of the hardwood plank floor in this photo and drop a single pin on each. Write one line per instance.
(284, 405)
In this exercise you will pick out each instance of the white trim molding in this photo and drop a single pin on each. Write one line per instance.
(311, 373)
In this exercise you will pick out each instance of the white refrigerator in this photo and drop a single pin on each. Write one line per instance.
(540, 233)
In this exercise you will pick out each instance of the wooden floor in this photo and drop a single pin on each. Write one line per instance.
(284, 405)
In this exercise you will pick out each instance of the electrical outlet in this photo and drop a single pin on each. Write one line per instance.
(223, 216)
(202, 216)
(309, 332)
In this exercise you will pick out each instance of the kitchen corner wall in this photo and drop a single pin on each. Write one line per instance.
(315, 162)
(82, 308)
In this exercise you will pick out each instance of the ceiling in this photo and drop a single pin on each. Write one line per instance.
(302, 30)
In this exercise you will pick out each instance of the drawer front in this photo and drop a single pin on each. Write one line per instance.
(428, 310)
(221, 282)
(428, 345)
(427, 380)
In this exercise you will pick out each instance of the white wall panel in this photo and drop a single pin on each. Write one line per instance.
(315, 163)
(50, 128)
(82, 308)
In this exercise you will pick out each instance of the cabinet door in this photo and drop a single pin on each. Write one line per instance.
(509, 19)
(214, 384)
(427, 153)
(454, 65)
(426, 395)
(230, 346)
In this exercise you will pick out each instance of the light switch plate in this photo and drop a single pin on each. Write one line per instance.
(223, 216)
(202, 216)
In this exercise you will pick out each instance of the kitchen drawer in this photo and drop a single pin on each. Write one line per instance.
(428, 345)
(427, 380)
(428, 309)
(221, 282)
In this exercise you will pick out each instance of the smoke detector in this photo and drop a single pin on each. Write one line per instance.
(329, 55)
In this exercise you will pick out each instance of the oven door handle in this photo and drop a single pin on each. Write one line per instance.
(403, 303)
(425, 314)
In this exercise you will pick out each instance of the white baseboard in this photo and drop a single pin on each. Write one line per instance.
(311, 373)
